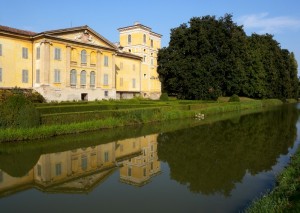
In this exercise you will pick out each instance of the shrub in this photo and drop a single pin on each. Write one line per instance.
(164, 97)
(18, 112)
(234, 98)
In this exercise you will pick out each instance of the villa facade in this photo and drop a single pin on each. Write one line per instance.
(79, 64)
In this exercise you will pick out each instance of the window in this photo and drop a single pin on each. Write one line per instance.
(83, 57)
(106, 156)
(73, 78)
(0, 74)
(129, 39)
(24, 76)
(133, 83)
(121, 82)
(144, 38)
(105, 79)
(39, 170)
(24, 52)
(129, 172)
(38, 53)
(56, 76)
(152, 43)
(0, 49)
(83, 162)
(37, 76)
(92, 79)
(58, 169)
(83, 78)
(133, 67)
(106, 61)
(57, 53)
(105, 93)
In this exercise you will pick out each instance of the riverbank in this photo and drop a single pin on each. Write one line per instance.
(285, 197)
(128, 117)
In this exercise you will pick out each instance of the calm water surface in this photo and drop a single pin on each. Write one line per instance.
(219, 164)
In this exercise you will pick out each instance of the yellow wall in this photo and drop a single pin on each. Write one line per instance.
(12, 62)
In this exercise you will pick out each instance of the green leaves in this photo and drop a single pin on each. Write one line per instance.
(209, 57)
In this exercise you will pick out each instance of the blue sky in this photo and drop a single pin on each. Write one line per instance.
(278, 17)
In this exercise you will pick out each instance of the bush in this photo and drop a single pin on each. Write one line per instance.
(18, 112)
(234, 98)
(164, 97)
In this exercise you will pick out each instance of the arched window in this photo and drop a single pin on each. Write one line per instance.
(129, 39)
(92, 79)
(83, 78)
(73, 78)
(83, 57)
(93, 58)
(144, 38)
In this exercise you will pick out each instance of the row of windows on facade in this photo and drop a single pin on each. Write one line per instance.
(57, 55)
(73, 78)
(129, 39)
(84, 165)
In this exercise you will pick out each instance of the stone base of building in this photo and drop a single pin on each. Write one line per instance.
(151, 95)
(51, 93)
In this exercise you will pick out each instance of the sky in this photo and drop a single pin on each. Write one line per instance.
(280, 18)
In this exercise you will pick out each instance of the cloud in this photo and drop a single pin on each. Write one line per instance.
(265, 24)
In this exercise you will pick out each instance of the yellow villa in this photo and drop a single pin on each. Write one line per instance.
(79, 64)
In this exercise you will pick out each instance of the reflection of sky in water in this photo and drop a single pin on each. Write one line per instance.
(160, 194)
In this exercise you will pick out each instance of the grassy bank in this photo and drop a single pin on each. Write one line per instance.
(285, 197)
(77, 122)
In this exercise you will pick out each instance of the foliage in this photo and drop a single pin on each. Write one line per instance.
(164, 97)
(30, 94)
(18, 112)
(234, 98)
(211, 57)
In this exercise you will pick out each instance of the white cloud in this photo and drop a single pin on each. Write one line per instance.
(265, 24)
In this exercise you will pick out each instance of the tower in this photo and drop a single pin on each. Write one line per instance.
(140, 40)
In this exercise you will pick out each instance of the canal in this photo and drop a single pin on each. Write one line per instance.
(219, 164)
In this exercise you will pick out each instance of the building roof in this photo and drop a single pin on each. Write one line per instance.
(136, 26)
(17, 31)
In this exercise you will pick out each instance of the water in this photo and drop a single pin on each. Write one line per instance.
(219, 164)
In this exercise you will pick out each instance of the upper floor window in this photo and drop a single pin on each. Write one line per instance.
(56, 76)
(24, 76)
(0, 49)
(92, 79)
(0, 74)
(83, 78)
(57, 54)
(83, 57)
(144, 38)
(106, 61)
(38, 53)
(152, 43)
(73, 77)
(129, 39)
(24, 52)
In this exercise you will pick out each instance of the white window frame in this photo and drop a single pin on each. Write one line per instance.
(56, 76)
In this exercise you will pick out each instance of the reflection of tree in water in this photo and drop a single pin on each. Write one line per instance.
(212, 158)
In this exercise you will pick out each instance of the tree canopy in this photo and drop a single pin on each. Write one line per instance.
(210, 57)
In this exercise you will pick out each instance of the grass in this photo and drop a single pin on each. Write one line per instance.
(285, 197)
(170, 110)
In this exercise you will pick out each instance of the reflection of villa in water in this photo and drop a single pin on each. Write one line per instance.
(79, 170)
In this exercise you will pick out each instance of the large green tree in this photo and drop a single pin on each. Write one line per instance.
(209, 57)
